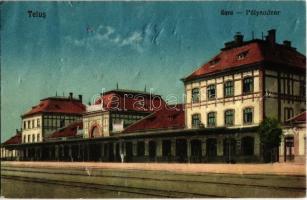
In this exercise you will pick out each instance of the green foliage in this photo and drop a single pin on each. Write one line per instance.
(270, 132)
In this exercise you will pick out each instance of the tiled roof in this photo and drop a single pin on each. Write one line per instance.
(300, 118)
(16, 139)
(162, 119)
(57, 105)
(68, 131)
(251, 52)
(130, 101)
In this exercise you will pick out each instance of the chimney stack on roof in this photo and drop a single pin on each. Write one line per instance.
(80, 97)
(271, 37)
(238, 38)
(70, 95)
(287, 43)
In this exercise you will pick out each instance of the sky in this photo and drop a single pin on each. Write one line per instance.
(82, 47)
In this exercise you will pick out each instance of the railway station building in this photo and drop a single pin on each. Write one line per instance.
(225, 101)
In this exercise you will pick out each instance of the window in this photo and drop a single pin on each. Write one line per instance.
(248, 115)
(38, 123)
(247, 85)
(33, 138)
(33, 123)
(228, 89)
(29, 123)
(195, 120)
(211, 91)
(24, 125)
(62, 123)
(229, 116)
(195, 95)
(29, 138)
(24, 138)
(211, 119)
(302, 89)
(38, 137)
(242, 55)
(288, 113)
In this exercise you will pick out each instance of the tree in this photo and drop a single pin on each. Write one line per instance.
(270, 133)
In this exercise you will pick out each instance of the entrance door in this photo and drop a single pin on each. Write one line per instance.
(181, 150)
(129, 150)
(289, 148)
(229, 149)
(152, 150)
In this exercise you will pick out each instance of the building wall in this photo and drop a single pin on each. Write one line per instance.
(291, 96)
(100, 119)
(32, 129)
(53, 122)
(7, 154)
(41, 126)
(299, 147)
(237, 102)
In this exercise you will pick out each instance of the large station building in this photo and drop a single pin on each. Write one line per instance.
(226, 100)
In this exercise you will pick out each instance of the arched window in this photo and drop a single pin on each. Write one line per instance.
(247, 146)
(195, 120)
(248, 116)
(248, 85)
(229, 117)
(195, 95)
(211, 119)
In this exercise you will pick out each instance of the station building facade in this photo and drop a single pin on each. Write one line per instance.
(226, 100)
(49, 115)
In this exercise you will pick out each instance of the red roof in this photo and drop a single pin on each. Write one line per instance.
(68, 131)
(300, 118)
(57, 105)
(16, 139)
(254, 51)
(167, 118)
(131, 101)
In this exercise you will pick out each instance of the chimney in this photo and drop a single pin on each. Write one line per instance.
(238, 38)
(70, 95)
(271, 37)
(80, 97)
(287, 43)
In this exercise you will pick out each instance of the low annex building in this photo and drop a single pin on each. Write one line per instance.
(9, 154)
(293, 144)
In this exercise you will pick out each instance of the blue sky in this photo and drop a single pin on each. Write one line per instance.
(82, 47)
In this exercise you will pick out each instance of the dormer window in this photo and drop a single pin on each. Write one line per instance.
(242, 55)
(214, 61)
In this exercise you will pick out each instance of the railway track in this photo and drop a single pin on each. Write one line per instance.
(165, 184)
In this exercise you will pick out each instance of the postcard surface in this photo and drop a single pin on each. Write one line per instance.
(137, 99)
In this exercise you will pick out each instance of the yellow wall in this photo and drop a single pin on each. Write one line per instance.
(101, 119)
(36, 130)
(220, 105)
(271, 102)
